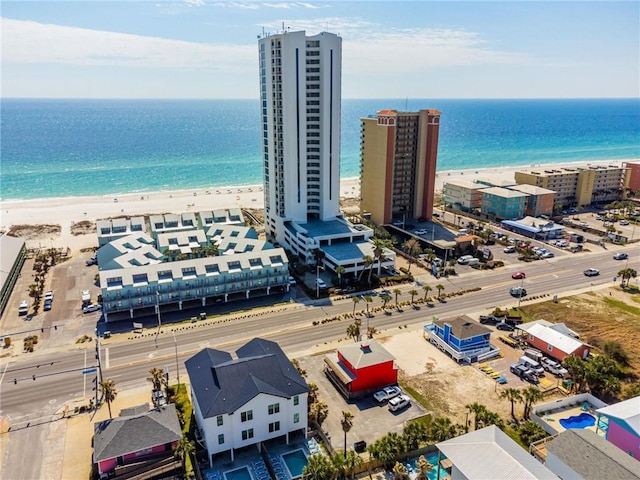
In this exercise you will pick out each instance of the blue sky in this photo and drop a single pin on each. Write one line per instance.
(419, 49)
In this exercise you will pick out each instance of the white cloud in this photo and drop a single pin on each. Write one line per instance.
(31, 42)
(237, 5)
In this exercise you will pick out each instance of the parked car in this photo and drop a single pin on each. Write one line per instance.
(292, 281)
(94, 307)
(321, 283)
(505, 326)
(592, 272)
(47, 305)
(23, 309)
(518, 275)
(463, 260)
(562, 243)
(553, 367)
(620, 256)
(420, 232)
(624, 222)
(547, 255)
(524, 373)
(399, 402)
(509, 249)
(387, 393)
(489, 320)
(49, 295)
(518, 292)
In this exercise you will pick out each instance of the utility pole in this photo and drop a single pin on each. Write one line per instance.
(99, 378)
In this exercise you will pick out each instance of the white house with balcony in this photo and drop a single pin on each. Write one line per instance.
(243, 401)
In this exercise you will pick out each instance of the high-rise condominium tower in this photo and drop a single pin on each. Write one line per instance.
(398, 162)
(300, 93)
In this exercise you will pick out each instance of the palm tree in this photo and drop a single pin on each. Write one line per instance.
(531, 432)
(353, 331)
(379, 246)
(355, 301)
(429, 255)
(183, 449)
(109, 392)
(478, 410)
(371, 331)
(513, 395)
(346, 423)
(385, 299)
(423, 468)
(414, 433)
(627, 274)
(577, 369)
(531, 395)
(412, 247)
(413, 292)
(400, 472)
(351, 462)
(367, 300)
(442, 429)
(318, 413)
(426, 289)
(319, 467)
(367, 262)
(340, 271)
(397, 292)
(157, 377)
(440, 288)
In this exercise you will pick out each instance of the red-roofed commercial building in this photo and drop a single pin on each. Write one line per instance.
(361, 368)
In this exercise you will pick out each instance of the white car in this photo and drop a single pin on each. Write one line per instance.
(320, 283)
(547, 255)
(463, 260)
(592, 272)
(48, 295)
(624, 222)
(553, 367)
(292, 281)
(509, 249)
(399, 402)
(387, 393)
(94, 307)
(420, 232)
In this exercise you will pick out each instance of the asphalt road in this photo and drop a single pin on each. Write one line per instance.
(59, 374)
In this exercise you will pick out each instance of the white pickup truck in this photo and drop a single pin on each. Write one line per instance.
(553, 367)
(86, 297)
(387, 393)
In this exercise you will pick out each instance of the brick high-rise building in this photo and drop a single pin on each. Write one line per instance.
(398, 164)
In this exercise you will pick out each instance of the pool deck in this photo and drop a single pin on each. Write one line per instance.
(552, 418)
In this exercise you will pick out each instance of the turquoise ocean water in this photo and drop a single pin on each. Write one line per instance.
(66, 148)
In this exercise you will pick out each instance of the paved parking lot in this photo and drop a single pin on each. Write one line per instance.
(371, 420)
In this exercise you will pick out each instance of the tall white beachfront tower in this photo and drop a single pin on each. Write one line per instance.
(300, 91)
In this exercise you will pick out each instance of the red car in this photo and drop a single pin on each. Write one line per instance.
(518, 275)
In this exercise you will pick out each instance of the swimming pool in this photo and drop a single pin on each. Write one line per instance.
(583, 420)
(241, 473)
(295, 462)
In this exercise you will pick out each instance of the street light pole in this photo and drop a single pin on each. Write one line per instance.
(175, 343)
(317, 277)
(159, 319)
(520, 295)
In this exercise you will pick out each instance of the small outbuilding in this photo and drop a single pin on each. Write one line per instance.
(461, 337)
(361, 368)
(554, 340)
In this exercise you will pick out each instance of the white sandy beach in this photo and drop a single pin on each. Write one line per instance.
(66, 211)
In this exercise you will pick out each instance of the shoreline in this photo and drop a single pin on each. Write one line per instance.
(4, 204)
(66, 211)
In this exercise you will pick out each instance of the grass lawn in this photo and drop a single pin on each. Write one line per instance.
(599, 316)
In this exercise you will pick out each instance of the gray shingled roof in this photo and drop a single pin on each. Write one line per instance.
(592, 457)
(222, 385)
(463, 326)
(122, 435)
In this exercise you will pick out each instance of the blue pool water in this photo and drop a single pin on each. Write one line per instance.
(295, 461)
(583, 420)
(238, 474)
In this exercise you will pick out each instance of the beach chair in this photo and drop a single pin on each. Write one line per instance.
(495, 375)
(501, 380)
